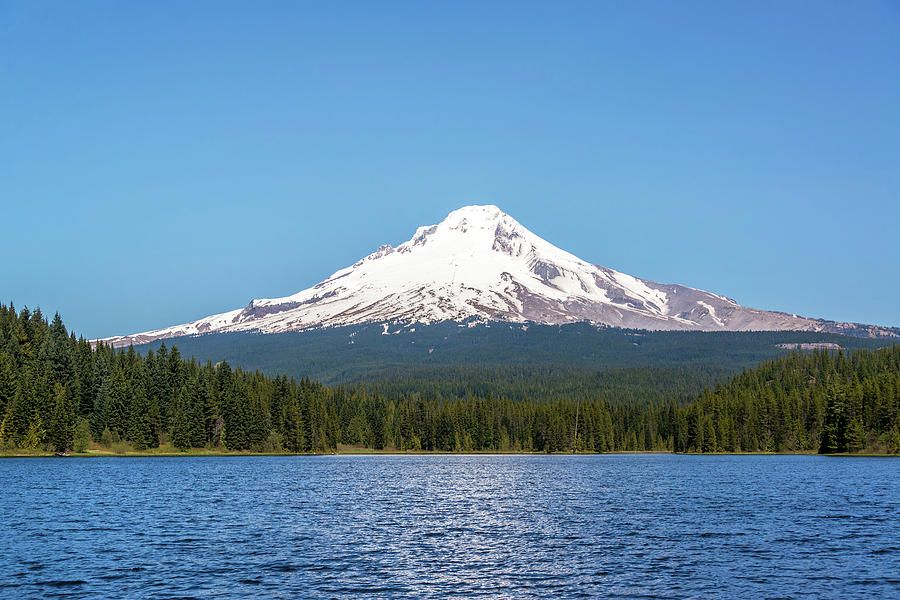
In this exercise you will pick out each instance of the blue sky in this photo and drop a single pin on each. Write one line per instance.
(163, 161)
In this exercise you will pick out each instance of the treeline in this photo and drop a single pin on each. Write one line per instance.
(821, 401)
(640, 385)
(54, 387)
(59, 393)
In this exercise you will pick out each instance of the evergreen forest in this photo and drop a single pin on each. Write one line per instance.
(511, 359)
(59, 393)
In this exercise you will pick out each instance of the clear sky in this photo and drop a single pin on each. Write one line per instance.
(163, 161)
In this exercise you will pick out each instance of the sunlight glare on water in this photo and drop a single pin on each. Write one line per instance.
(486, 526)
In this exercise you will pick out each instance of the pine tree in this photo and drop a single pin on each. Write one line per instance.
(197, 417)
(181, 427)
(256, 423)
(61, 431)
(57, 352)
(835, 424)
(7, 381)
(173, 372)
(34, 435)
(7, 442)
(233, 436)
(710, 441)
(84, 379)
(100, 414)
(855, 437)
(118, 410)
(82, 438)
(141, 422)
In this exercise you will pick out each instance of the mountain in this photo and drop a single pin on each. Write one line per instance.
(480, 263)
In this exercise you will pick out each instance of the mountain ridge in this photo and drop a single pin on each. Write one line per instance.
(481, 263)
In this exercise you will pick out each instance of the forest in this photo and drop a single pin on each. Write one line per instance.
(512, 359)
(61, 393)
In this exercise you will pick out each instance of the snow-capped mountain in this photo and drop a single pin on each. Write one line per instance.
(480, 262)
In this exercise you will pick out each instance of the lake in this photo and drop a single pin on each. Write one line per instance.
(435, 526)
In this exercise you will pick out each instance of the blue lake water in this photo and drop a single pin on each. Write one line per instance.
(617, 526)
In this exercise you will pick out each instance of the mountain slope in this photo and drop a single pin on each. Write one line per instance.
(480, 262)
(493, 356)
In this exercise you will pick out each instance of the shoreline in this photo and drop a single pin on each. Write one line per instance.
(198, 453)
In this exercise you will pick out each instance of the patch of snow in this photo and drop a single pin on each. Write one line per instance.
(712, 312)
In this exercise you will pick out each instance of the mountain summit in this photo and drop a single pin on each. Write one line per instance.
(480, 262)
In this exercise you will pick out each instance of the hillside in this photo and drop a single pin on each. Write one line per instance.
(511, 359)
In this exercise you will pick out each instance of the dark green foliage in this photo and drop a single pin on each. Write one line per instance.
(181, 423)
(819, 401)
(506, 359)
(57, 352)
(82, 437)
(118, 411)
(61, 431)
(107, 438)
(804, 402)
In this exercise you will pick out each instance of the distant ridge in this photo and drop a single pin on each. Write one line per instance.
(481, 263)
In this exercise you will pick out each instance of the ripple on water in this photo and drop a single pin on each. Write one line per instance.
(639, 526)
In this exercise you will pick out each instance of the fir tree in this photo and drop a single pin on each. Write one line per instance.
(35, 435)
(57, 352)
(835, 425)
(181, 427)
(82, 437)
(61, 430)
(118, 410)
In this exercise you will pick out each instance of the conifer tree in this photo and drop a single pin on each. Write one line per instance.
(835, 426)
(82, 438)
(84, 379)
(181, 427)
(99, 418)
(57, 352)
(142, 421)
(21, 411)
(61, 431)
(256, 423)
(34, 435)
(118, 410)
(7, 382)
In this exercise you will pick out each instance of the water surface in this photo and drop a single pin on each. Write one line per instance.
(617, 526)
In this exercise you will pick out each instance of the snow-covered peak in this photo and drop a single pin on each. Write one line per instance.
(480, 262)
(476, 214)
(467, 227)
